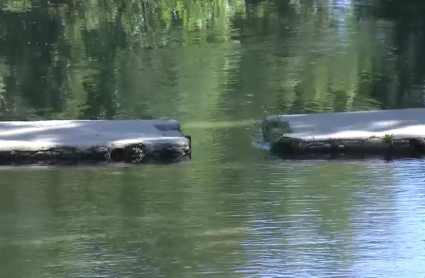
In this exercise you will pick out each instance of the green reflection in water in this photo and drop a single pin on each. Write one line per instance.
(217, 67)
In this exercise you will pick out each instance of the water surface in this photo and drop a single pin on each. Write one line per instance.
(234, 210)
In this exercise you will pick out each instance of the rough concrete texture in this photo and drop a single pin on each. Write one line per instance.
(98, 140)
(367, 132)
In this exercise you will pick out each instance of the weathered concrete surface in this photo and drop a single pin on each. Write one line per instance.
(86, 140)
(398, 132)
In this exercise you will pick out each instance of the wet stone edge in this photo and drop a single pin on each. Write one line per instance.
(387, 145)
(132, 153)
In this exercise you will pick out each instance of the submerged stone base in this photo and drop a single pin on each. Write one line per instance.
(70, 142)
(354, 134)
(372, 146)
(133, 153)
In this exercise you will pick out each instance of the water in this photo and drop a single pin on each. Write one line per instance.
(234, 210)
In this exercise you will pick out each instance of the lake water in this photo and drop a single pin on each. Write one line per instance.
(233, 210)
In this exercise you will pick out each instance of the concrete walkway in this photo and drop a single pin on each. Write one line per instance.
(117, 140)
(396, 131)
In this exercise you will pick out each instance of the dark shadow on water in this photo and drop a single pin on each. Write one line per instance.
(353, 157)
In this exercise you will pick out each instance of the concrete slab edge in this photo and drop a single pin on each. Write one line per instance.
(141, 152)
